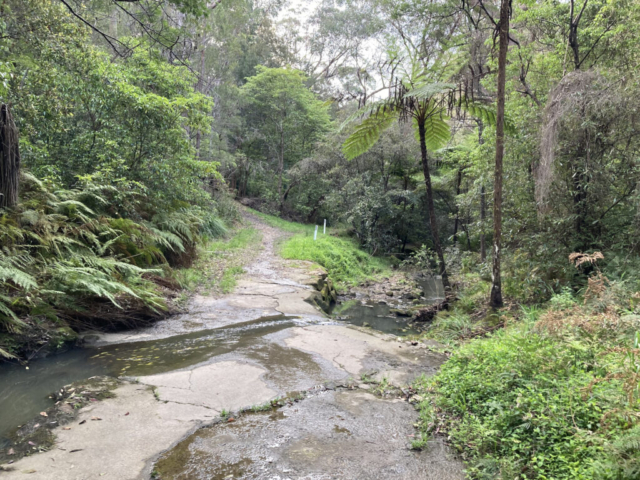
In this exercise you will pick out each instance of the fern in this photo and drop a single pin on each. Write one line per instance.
(214, 227)
(8, 318)
(436, 131)
(426, 91)
(367, 133)
(486, 113)
(366, 111)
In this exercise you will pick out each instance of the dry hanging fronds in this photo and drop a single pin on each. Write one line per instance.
(574, 92)
(577, 258)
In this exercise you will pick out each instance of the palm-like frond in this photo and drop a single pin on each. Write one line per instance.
(367, 133)
(436, 131)
(486, 113)
(368, 110)
(426, 91)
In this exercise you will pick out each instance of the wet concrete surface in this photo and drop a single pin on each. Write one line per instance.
(244, 349)
(349, 434)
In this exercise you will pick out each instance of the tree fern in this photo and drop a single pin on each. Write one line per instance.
(437, 132)
(367, 133)
(365, 111)
(426, 91)
(485, 113)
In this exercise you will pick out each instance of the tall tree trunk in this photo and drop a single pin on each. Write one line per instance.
(457, 220)
(431, 208)
(281, 169)
(483, 201)
(9, 158)
(496, 284)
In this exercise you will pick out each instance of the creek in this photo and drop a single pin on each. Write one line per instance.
(25, 391)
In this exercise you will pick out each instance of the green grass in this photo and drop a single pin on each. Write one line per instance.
(219, 262)
(345, 263)
(285, 225)
(229, 278)
(240, 240)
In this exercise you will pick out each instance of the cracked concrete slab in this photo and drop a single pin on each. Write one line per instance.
(133, 428)
(228, 385)
(332, 435)
(346, 347)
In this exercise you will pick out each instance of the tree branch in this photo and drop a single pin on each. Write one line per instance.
(108, 38)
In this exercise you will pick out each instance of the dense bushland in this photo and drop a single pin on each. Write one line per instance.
(552, 394)
(112, 194)
(65, 261)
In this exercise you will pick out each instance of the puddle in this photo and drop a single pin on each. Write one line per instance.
(379, 316)
(376, 316)
(24, 393)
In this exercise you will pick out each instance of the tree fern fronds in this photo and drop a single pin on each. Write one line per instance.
(427, 91)
(27, 178)
(12, 270)
(30, 217)
(8, 319)
(437, 131)
(177, 223)
(485, 113)
(80, 281)
(367, 133)
(20, 278)
(5, 354)
(167, 239)
(369, 109)
(66, 205)
(103, 247)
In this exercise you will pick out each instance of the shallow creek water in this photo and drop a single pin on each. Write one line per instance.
(379, 316)
(25, 392)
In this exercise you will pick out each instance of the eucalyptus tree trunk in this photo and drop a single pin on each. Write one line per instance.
(430, 206)
(457, 220)
(496, 284)
(281, 168)
(483, 201)
(9, 158)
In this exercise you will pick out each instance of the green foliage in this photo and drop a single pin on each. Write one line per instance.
(563, 300)
(367, 133)
(524, 404)
(436, 131)
(61, 258)
(346, 264)
(287, 119)
(426, 90)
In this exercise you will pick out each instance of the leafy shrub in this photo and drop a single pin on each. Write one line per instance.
(524, 404)
(563, 300)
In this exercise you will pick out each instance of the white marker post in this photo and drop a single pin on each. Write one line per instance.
(315, 234)
(324, 230)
